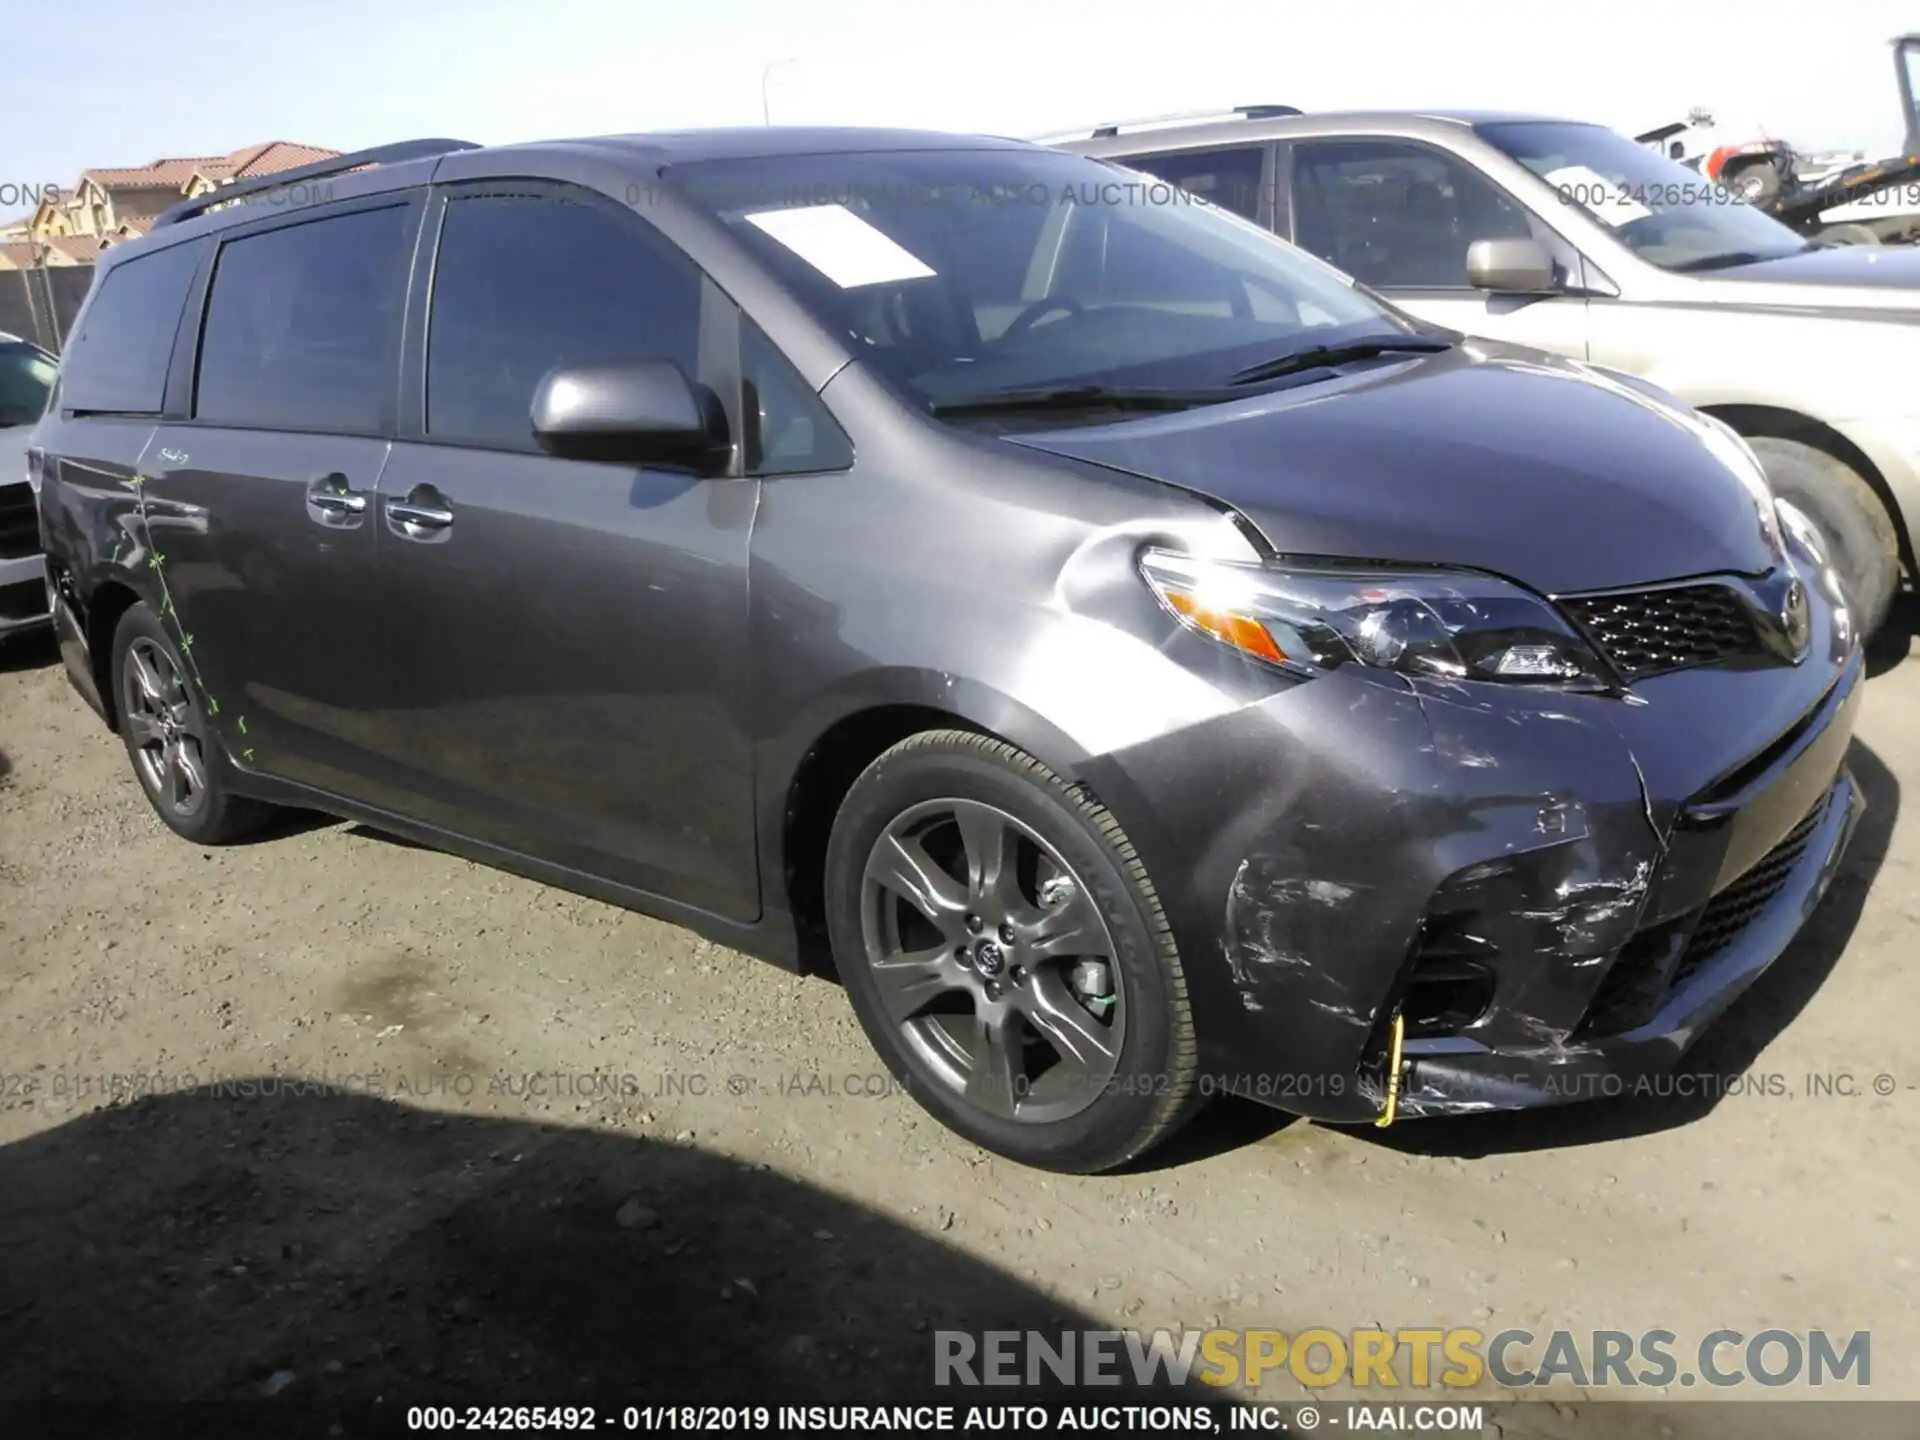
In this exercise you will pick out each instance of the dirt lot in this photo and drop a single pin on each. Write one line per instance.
(468, 1213)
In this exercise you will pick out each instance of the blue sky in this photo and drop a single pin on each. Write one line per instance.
(117, 82)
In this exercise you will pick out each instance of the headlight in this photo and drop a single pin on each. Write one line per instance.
(1310, 620)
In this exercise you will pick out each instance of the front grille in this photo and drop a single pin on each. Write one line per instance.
(1729, 913)
(1636, 983)
(19, 522)
(1647, 632)
(1646, 970)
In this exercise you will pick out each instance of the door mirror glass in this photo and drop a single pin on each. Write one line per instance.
(1511, 267)
(640, 411)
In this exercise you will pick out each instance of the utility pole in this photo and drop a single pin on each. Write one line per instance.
(766, 108)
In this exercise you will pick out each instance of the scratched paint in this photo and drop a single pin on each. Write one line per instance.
(170, 613)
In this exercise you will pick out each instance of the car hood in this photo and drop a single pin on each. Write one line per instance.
(1874, 277)
(1535, 468)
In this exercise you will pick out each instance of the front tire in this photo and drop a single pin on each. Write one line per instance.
(1757, 182)
(1860, 536)
(175, 754)
(1005, 951)
(1849, 233)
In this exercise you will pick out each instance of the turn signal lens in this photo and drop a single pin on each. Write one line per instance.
(1243, 632)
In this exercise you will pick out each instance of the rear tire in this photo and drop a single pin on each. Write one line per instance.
(999, 1033)
(1758, 182)
(170, 743)
(1860, 535)
(1849, 233)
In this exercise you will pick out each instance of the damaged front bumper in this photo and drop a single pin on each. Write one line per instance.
(1459, 1074)
(1553, 893)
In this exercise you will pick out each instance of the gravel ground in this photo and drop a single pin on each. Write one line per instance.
(462, 1211)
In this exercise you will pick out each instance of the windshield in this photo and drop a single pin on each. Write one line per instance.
(26, 375)
(957, 273)
(1666, 214)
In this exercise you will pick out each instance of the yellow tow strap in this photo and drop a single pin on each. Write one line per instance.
(1392, 1107)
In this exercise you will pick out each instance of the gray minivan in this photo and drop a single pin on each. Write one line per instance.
(1139, 663)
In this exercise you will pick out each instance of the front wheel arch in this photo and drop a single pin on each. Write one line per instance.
(110, 600)
(1756, 421)
(809, 790)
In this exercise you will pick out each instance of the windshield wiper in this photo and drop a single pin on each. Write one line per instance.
(1315, 357)
(1725, 261)
(1075, 397)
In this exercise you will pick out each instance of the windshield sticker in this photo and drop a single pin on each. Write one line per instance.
(840, 245)
(1600, 195)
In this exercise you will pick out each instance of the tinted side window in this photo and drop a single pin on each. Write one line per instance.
(789, 429)
(1396, 215)
(118, 360)
(26, 376)
(525, 283)
(1227, 178)
(303, 324)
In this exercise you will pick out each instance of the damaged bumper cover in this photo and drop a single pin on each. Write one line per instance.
(1556, 893)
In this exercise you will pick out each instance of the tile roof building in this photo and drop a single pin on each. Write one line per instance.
(112, 203)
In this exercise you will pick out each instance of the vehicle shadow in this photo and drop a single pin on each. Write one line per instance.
(1727, 1051)
(31, 650)
(386, 837)
(1894, 639)
(335, 1257)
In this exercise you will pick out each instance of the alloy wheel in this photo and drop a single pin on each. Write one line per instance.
(993, 960)
(168, 737)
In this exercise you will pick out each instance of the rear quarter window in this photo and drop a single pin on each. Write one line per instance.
(117, 360)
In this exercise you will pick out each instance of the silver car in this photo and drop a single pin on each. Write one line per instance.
(1573, 238)
(26, 375)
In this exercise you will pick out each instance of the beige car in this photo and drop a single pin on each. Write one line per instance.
(1573, 238)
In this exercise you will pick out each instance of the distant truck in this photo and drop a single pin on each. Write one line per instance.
(1754, 170)
(1875, 201)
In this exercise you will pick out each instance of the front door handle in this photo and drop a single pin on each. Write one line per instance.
(430, 516)
(423, 515)
(331, 502)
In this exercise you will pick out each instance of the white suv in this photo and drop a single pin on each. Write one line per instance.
(1573, 238)
(26, 375)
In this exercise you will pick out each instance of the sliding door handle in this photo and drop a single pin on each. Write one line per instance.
(330, 501)
(338, 504)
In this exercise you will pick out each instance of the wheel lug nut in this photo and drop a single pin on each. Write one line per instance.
(1006, 934)
(973, 923)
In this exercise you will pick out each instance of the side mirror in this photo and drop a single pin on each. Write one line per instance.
(1511, 267)
(641, 412)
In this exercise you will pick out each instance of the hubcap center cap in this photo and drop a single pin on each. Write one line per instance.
(988, 958)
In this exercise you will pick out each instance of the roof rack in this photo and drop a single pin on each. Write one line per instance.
(334, 165)
(1183, 117)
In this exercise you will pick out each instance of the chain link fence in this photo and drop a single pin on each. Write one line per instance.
(40, 304)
